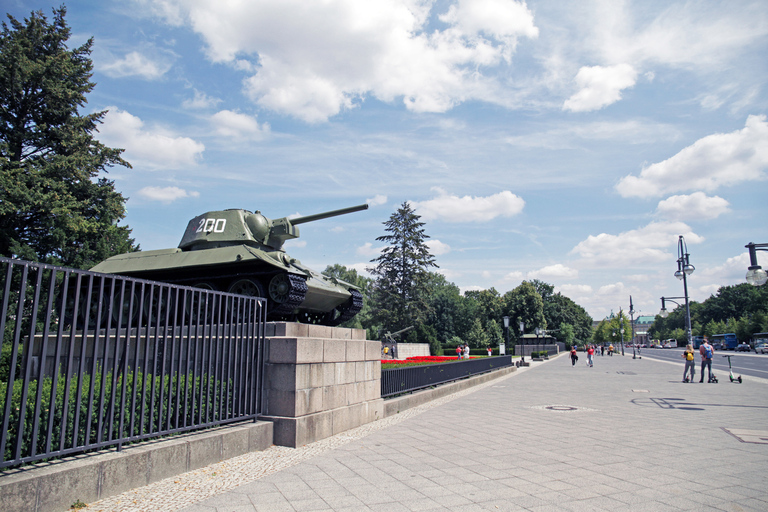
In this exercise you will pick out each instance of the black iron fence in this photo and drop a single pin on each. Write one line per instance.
(395, 381)
(92, 360)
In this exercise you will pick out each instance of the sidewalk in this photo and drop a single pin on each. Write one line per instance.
(623, 435)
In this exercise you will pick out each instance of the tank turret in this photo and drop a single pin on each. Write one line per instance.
(239, 251)
(235, 227)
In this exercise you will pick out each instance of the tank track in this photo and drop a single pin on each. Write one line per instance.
(295, 298)
(349, 309)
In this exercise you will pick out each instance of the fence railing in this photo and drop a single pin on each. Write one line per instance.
(91, 360)
(395, 381)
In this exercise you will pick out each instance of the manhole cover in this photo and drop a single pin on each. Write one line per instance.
(560, 408)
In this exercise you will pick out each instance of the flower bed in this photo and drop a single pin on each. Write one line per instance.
(418, 360)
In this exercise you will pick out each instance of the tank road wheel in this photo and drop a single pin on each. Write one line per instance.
(279, 288)
(198, 305)
(286, 293)
(159, 304)
(247, 287)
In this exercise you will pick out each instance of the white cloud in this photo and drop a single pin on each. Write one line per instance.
(166, 194)
(137, 64)
(295, 244)
(200, 101)
(362, 268)
(714, 161)
(600, 86)
(317, 58)
(557, 271)
(154, 147)
(451, 208)
(238, 126)
(645, 246)
(513, 276)
(436, 247)
(377, 200)
(696, 206)
(368, 250)
(706, 280)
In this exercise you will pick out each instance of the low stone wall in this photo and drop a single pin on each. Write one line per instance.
(53, 487)
(406, 350)
(319, 381)
(396, 405)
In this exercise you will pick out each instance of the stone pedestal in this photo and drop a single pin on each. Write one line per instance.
(319, 381)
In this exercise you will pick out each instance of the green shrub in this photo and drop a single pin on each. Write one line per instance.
(104, 392)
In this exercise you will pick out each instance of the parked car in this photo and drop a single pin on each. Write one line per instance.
(762, 348)
(718, 346)
(743, 347)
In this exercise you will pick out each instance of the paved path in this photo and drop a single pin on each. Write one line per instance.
(623, 435)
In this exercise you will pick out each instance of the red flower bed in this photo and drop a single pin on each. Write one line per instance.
(422, 359)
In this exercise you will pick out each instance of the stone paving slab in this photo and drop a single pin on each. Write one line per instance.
(624, 435)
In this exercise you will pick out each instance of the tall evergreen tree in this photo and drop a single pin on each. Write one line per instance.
(54, 207)
(402, 271)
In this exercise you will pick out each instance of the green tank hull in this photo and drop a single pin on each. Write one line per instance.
(241, 252)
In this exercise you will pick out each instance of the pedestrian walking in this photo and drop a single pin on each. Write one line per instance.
(466, 351)
(490, 351)
(574, 356)
(590, 355)
(458, 352)
(707, 351)
(689, 363)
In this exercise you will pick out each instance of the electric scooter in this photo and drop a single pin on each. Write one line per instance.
(730, 370)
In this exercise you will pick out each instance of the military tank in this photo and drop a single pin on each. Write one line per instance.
(241, 252)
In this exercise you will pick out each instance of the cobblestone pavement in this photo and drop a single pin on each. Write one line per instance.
(623, 435)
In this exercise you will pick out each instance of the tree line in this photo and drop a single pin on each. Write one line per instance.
(404, 291)
(741, 309)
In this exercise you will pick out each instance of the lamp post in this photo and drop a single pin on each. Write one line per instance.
(664, 314)
(506, 334)
(537, 331)
(756, 276)
(522, 339)
(632, 324)
(622, 339)
(684, 269)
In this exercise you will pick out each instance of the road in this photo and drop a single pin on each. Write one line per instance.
(747, 364)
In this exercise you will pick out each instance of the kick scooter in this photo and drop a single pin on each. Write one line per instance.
(733, 379)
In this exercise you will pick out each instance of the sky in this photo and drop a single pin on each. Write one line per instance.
(570, 142)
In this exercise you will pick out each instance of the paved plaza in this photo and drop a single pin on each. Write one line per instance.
(626, 434)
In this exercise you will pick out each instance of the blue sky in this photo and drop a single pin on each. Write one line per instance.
(566, 141)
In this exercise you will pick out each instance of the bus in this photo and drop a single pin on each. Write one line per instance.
(728, 341)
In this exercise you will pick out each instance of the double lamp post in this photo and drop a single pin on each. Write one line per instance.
(684, 269)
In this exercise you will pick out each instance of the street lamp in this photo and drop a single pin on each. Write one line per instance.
(756, 276)
(522, 339)
(684, 269)
(506, 333)
(622, 338)
(632, 323)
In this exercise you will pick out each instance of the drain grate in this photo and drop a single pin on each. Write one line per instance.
(626, 373)
(561, 408)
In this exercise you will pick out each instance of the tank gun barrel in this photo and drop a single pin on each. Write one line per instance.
(325, 215)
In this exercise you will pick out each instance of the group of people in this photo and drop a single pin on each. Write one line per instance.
(590, 350)
(462, 352)
(706, 351)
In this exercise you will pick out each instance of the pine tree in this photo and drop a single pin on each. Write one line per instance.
(53, 205)
(402, 272)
